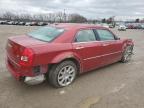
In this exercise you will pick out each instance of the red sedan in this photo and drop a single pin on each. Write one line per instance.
(61, 52)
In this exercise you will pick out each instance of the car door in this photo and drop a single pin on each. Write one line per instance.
(111, 47)
(87, 48)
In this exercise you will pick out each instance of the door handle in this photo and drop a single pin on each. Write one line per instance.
(79, 47)
(106, 44)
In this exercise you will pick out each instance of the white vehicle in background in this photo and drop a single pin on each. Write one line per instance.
(27, 24)
(122, 28)
(111, 26)
(142, 26)
(10, 22)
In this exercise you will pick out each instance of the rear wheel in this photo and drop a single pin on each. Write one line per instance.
(127, 54)
(62, 74)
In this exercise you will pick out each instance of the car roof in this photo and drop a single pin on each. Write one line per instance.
(77, 26)
(71, 29)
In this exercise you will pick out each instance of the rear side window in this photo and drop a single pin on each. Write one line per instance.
(85, 36)
(105, 35)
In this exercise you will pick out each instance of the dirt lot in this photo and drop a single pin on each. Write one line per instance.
(115, 86)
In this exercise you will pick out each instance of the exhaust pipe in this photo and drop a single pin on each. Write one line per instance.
(34, 80)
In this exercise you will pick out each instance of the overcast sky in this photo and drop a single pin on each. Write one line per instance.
(87, 8)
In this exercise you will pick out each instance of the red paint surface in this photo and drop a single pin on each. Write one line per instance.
(93, 54)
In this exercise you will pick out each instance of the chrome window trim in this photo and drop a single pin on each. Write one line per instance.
(95, 41)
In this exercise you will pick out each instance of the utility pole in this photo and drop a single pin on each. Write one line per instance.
(64, 16)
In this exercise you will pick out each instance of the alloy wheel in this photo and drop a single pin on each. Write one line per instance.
(66, 75)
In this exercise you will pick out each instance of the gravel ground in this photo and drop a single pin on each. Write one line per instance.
(120, 85)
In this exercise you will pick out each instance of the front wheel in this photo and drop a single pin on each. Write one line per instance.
(62, 74)
(127, 54)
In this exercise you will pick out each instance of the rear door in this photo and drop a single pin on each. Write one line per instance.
(87, 48)
(111, 47)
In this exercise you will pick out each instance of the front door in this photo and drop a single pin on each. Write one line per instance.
(110, 47)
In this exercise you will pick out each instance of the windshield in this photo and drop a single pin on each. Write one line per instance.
(46, 33)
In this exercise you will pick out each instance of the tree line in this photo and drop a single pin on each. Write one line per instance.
(50, 17)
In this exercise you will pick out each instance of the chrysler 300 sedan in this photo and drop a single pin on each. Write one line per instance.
(58, 53)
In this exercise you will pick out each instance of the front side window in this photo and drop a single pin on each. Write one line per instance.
(46, 33)
(85, 36)
(105, 35)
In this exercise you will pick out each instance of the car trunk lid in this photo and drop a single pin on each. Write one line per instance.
(16, 45)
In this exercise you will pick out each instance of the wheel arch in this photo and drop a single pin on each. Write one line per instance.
(66, 56)
(75, 61)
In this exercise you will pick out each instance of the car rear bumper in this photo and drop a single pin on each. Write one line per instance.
(20, 73)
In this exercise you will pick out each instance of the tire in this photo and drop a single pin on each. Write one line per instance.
(127, 54)
(62, 74)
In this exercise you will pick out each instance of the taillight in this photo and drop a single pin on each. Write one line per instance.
(26, 57)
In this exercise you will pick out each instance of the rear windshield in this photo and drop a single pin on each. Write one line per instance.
(46, 33)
